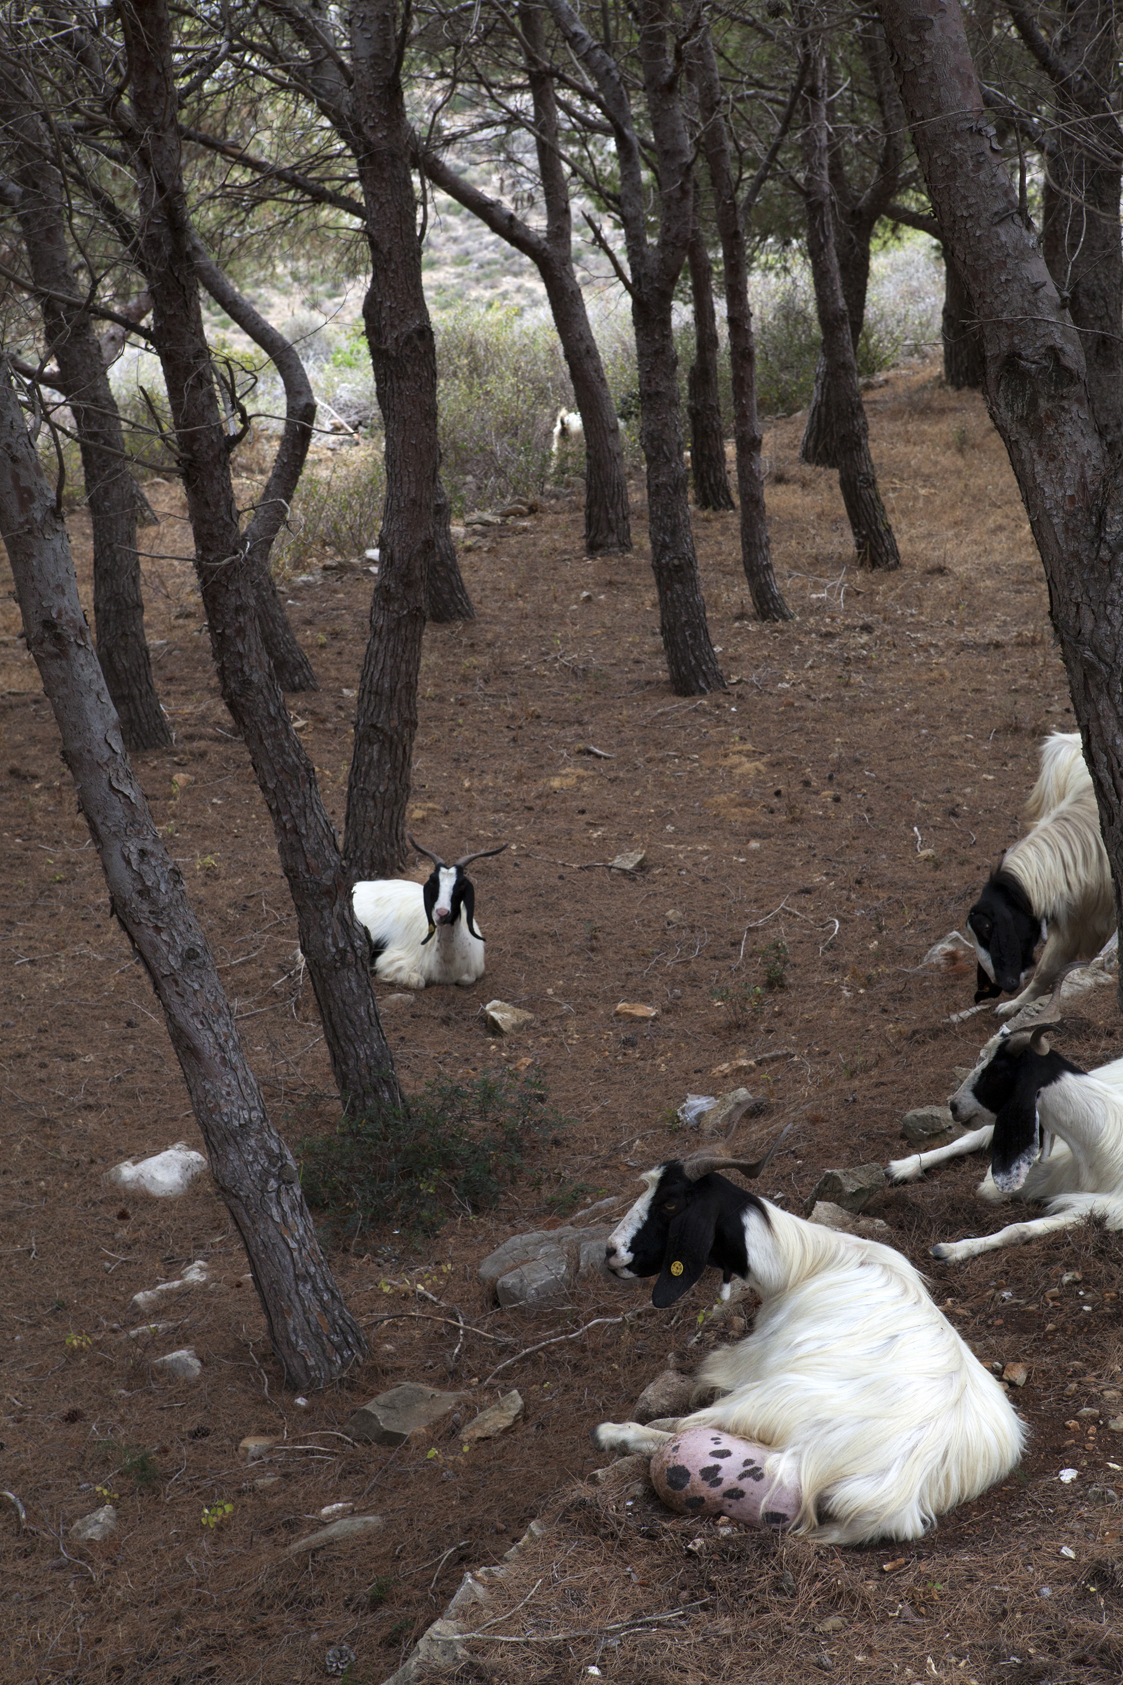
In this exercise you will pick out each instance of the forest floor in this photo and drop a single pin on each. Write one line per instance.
(846, 797)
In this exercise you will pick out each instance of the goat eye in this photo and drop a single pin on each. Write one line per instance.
(670, 1205)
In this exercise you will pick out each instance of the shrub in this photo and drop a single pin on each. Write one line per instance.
(456, 1145)
(338, 511)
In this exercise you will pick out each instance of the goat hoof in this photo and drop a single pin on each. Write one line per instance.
(939, 1250)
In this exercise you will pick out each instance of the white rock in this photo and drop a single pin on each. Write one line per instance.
(1067, 1476)
(179, 1366)
(98, 1525)
(165, 1175)
(332, 1512)
(503, 1019)
(347, 1531)
(148, 1330)
(630, 861)
(193, 1276)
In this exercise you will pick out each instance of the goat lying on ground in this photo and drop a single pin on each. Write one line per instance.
(1057, 1137)
(853, 1411)
(1053, 885)
(402, 918)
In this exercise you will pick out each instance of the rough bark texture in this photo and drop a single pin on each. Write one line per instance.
(869, 523)
(290, 664)
(707, 436)
(964, 359)
(313, 1334)
(655, 268)
(446, 595)
(1037, 385)
(333, 946)
(756, 554)
(110, 490)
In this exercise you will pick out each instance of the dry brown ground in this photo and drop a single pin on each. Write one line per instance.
(896, 714)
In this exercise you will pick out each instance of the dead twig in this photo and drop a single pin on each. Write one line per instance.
(422, 1316)
(636, 1624)
(596, 1322)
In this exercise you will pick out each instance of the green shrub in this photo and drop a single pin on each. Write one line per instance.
(457, 1145)
(339, 511)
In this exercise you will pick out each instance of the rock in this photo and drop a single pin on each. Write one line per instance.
(393, 1416)
(672, 916)
(165, 1175)
(99, 1524)
(256, 1445)
(396, 1000)
(726, 1112)
(594, 1210)
(351, 1530)
(479, 518)
(332, 1512)
(630, 861)
(590, 1255)
(1116, 1424)
(926, 1124)
(852, 1189)
(148, 1330)
(504, 1019)
(667, 1395)
(833, 1623)
(193, 1276)
(831, 1216)
(1102, 1495)
(542, 1281)
(1016, 1374)
(179, 1366)
(521, 1249)
(633, 1009)
(264, 1481)
(489, 1424)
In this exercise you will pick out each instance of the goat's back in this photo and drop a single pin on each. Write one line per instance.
(1063, 773)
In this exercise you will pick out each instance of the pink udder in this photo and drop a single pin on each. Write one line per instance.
(703, 1471)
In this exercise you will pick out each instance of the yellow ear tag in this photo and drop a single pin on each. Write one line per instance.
(676, 1268)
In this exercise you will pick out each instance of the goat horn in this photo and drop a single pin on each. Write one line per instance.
(435, 858)
(1034, 1037)
(701, 1163)
(482, 855)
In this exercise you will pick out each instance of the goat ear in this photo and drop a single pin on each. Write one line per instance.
(1015, 1143)
(1007, 954)
(689, 1242)
(468, 901)
(985, 987)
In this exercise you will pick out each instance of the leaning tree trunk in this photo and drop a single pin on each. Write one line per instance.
(334, 948)
(964, 357)
(313, 1334)
(111, 492)
(869, 523)
(707, 436)
(446, 595)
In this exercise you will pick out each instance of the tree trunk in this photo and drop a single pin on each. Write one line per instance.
(873, 536)
(756, 556)
(964, 360)
(446, 595)
(110, 489)
(313, 1334)
(1037, 385)
(290, 664)
(333, 946)
(707, 436)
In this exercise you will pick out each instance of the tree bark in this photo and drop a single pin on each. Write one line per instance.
(655, 268)
(756, 555)
(111, 493)
(446, 595)
(333, 946)
(869, 523)
(707, 436)
(964, 359)
(313, 1334)
(1037, 385)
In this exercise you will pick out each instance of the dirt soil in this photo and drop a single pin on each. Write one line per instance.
(846, 797)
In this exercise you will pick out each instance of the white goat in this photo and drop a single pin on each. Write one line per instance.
(402, 918)
(853, 1401)
(1056, 1138)
(569, 429)
(1053, 885)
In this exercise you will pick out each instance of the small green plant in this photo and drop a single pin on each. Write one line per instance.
(77, 1342)
(455, 1145)
(215, 1514)
(107, 1493)
(379, 1591)
(774, 959)
(568, 1198)
(739, 1001)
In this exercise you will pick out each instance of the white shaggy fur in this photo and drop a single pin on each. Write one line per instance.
(569, 429)
(870, 1401)
(1063, 867)
(393, 912)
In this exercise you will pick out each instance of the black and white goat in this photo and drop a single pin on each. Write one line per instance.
(1053, 885)
(1055, 1137)
(402, 918)
(853, 1411)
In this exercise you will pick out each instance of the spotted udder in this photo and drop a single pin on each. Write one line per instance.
(705, 1472)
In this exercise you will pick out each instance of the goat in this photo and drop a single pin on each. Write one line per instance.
(397, 913)
(1056, 1138)
(568, 430)
(1053, 885)
(852, 1412)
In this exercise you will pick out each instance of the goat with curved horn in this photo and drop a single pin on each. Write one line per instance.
(483, 854)
(701, 1163)
(403, 918)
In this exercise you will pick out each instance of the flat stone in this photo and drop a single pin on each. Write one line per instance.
(396, 1000)
(926, 1123)
(1017, 1375)
(667, 1395)
(633, 1009)
(165, 1175)
(831, 1216)
(524, 1248)
(351, 1530)
(726, 1112)
(332, 1512)
(1116, 1424)
(481, 518)
(193, 1276)
(630, 861)
(393, 1416)
(852, 1189)
(542, 1281)
(256, 1445)
(149, 1330)
(179, 1366)
(99, 1524)
(489, 1424)
(503, 1019)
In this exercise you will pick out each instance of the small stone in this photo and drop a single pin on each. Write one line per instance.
(396, 1000)
(852, 1189)
(503, 1019)
(668, 1394)
(264, 1481)
(1067, 1476)
(630, 861)
(1116, 1424)
(633, 1009)
(349, 1531)
(831, 1216)
(193, 1276)
(542, 1281)
(1016, 1374)
(99, 1524)
(1102, 1495)
(480, 518)
(256, 1445)
(726, 1112)
(149, 1330)
(332, 1512)
(926, 1124)
(179, 1366)
(182, 780)
(833, 1623)
(393, 1416)
(165, 1175)
(672, 916)
(489, 1424)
